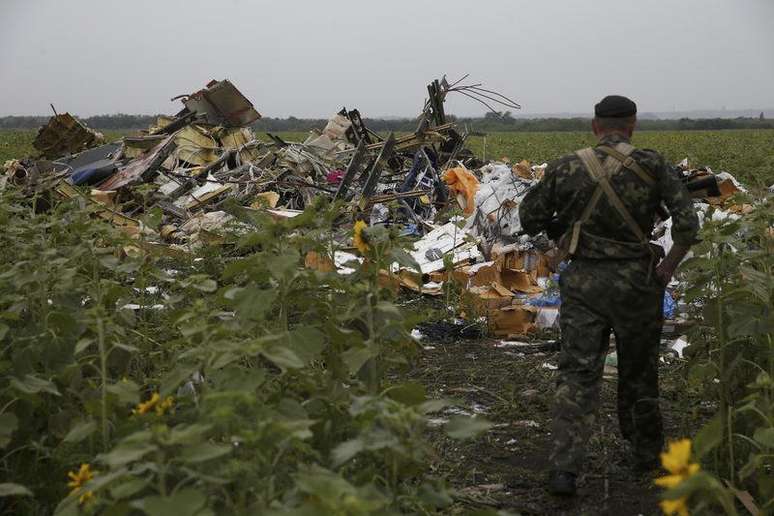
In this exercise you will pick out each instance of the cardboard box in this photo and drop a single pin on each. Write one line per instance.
(512, 320)
(485, 299)
(483, 274)
(519, 281)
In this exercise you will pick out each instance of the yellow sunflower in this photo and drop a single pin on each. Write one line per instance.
(677, 461)
(674, 507)
(165, 405)
(358, 238)
(154, 403)
(77, 480)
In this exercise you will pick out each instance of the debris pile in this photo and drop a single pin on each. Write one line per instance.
(65, 135)
(462, 213)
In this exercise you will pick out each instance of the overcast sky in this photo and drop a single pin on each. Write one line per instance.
(308, 58)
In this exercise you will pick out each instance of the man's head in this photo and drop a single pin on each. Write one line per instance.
(614, 114)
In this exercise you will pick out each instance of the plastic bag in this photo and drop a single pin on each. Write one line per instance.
(669, 305)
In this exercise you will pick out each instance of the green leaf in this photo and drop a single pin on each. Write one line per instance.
(434, 405)
(275, 349)
(354, 358)
(751, 467)
(409, 393)
(708, 437)
(178, 375)
(703, 482)
(128, 488)
(80, 431)
(439, 497)
(32, 385)
(765, 436)
(284, 266)
(379, 438)
(329, 490)
(11, 489)
(696, 263)
(701, 373)
(82, 345)
(126, 391)
(222, 360)
(346, 450)
(187, 434)
(153, 217)
(697, 482)
(126, 347)
(299, 429)
(389, 310)
(730, 228)
(207, 285)
(8, 425)
(110, 262)
(185, 502)
(3, 330)
(203, 452)
(251, 303)
(126, 452)
(323, 483)
(404, 259)
(461, 427)
(62, 324)
(307, 342)
(68, 507)
(376, 234)
(200, 282)
(238, 378)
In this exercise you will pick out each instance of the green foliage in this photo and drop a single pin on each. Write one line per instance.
(732, 351)
(246, 384)
(748, 154)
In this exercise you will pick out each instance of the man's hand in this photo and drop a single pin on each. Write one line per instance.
(666, 269)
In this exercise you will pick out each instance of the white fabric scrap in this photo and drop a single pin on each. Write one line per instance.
(340, 258)
(680, 344)
(547, 317)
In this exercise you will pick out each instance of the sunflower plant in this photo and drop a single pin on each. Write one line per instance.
(234, 380)
(731, 356)
(687, 486)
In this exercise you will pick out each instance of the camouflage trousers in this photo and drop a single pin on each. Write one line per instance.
(600, 296)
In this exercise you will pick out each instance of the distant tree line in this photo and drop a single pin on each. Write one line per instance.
(491, 122)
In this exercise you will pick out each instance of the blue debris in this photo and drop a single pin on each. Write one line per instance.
(669, 305)
(547, 299)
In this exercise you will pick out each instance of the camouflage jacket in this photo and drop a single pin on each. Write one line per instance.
(558, 200)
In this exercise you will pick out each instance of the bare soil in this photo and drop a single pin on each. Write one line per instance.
(506, 468)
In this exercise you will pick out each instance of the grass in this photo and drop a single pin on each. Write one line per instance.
(747, 153)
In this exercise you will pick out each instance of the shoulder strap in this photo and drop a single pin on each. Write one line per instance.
(595, 170)
(587, 211)
(622, 152)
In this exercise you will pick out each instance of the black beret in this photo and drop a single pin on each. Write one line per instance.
(615, 106)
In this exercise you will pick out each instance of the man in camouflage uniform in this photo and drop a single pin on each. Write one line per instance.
(602, 202)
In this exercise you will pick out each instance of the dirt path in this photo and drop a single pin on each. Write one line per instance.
(506, 468)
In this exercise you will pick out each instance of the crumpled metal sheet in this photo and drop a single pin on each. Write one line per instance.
(63, 134)
(222, 104)
(141, 168)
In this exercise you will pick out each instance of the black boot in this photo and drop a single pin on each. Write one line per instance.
(561, 483)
